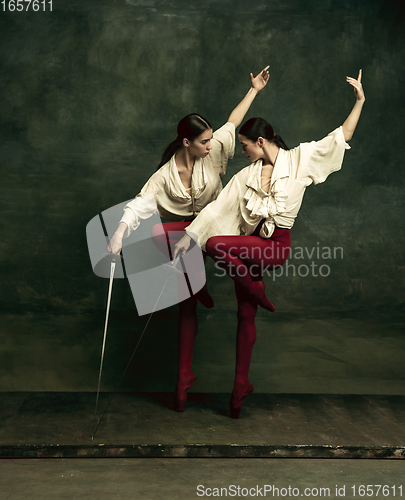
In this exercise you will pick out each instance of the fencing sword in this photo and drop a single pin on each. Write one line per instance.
(172, 267)
(112, 258)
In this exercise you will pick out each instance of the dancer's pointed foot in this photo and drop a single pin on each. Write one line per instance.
(239, 393)
(257, 291)
(205, 298)
(180, 394)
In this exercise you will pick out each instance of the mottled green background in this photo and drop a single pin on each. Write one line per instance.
(91, 93)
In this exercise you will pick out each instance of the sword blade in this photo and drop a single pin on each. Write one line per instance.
(172, 267)
(112, 270)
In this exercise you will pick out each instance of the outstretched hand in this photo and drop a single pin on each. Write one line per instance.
(260, 81)
(358, 88)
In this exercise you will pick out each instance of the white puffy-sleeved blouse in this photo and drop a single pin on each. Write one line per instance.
(166, 191)
(243, 204)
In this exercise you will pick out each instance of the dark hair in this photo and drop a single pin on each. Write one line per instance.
(189, 127)
(258, 127)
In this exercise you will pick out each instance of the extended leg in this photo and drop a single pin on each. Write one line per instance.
(245, 258)
(242, 256)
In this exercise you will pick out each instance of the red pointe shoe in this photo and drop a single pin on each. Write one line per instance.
(205, 298)
(238, 395)
(180, 394)
(257, 291)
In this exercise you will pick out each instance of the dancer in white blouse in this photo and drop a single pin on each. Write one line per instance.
(247, 229)
(188, 178)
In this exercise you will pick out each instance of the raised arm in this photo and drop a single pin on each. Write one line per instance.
(257, 84)
(350, 123)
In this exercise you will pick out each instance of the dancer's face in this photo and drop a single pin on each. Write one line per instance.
(201, 145)
(250, 148)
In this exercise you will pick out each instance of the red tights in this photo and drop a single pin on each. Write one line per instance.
(187, 323)
(245, 258)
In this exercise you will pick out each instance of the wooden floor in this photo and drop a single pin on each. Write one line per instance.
(56, 424)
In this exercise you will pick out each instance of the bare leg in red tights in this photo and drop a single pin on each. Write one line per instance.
(187, 333)
(187, 322)
(245, 340)
(244, 259)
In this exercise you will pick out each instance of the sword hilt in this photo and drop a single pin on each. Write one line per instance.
(172, 265)
(113, 257)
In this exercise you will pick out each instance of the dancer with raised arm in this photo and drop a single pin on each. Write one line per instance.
(247, 229)
(188, 178)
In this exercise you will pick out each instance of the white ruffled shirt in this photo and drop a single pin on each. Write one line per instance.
(166, 191)
(243, 203)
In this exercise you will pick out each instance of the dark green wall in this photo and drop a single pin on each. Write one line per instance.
(91, 94)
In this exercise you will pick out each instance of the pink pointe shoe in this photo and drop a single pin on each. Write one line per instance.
(238, 395)
(180, 394)
(258, 293)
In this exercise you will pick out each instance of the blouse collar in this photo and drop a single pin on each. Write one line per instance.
(266, 205)
(198, 181)
(280, 171)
